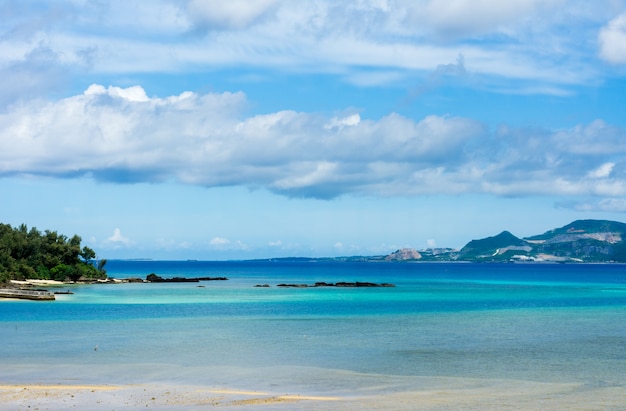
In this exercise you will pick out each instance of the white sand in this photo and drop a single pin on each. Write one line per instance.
(37, 282)
(465, 394)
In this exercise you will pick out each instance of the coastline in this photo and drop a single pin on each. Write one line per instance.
(429, 394)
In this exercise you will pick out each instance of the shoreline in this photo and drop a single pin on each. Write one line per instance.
(160, 396)
(436, 393)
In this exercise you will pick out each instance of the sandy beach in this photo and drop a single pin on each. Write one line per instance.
(442, 394)
(37, 282)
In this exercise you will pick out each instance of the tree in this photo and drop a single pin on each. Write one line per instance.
(87, 254)
(28, 253)
(100, 266)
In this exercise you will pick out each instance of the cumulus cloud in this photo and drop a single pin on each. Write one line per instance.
(117, 240)
(135, 93)
(121, 135)
(612, 39)
(221, 243)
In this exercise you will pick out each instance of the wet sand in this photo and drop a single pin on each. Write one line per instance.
(441, 394)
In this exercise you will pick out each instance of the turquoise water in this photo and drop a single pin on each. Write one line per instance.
(534, 322)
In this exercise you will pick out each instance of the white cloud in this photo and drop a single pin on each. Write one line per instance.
(219, 241)
(118, 239)
(603, 171)
(454, 18)
(37, 72)
(612, 205)
(232, 14)
(223, 244)
(368, 42)
(122, 135)
(135, 93)
(339, 123)
(612, 39)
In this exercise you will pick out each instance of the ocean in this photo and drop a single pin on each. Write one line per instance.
(443, 326)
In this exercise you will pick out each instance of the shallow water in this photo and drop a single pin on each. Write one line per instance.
(541, 323)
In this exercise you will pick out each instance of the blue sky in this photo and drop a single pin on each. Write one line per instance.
(261, 128)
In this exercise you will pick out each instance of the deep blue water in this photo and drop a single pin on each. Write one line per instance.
(540, 322)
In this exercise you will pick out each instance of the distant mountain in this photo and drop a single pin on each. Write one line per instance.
(581, 240)
(602, 230)
(502, 246)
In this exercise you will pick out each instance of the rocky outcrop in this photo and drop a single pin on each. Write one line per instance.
(339, 284)
(404, 254)
(153, 278)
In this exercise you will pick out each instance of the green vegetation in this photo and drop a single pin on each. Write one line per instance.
(30, 254)
(496, 248)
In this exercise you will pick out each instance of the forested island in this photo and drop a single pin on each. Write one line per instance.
(30, 254)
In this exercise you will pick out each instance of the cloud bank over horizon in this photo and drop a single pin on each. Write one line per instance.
(121, 135)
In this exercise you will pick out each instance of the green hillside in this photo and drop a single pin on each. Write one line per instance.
(580, 241)
(499, 247)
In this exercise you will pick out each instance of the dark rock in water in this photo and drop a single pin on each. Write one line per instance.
(153, 278)
(174, 280)
(262, 285)
(363, 284)
(339, 284)
(344, 284)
